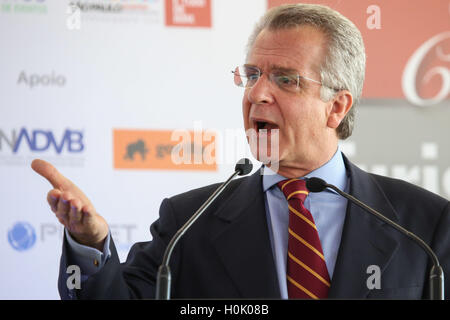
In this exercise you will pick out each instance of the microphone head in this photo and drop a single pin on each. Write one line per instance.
(315, 184)
(244, 166)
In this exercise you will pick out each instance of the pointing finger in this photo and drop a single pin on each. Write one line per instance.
(49, 172)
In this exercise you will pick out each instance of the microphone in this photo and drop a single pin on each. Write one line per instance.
(164, 278)
(436, 273)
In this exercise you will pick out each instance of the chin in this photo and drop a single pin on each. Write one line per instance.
(266, 155)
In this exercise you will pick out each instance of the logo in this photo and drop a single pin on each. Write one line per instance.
(39, 140)
(145, 11)
(406, 60)
(24, 7)
(137, 147)
(411, 85)
(22, 236)
(21, 146)
(164, 150)
(44, 80)
(188, 13)
(98, 6)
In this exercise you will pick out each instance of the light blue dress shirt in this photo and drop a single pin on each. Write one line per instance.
(327, 208)
(90, 260)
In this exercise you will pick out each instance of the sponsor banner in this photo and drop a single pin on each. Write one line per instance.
(407, 47)
(18, 146)
(188, 13)
(164, 150)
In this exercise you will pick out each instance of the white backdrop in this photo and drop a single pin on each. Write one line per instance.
(92, 72)
(130, 72)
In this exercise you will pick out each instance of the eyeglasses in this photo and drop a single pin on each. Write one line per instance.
(247, 76)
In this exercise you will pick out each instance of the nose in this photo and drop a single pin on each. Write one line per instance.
(261, 92)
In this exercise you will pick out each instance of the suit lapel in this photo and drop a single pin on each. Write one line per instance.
(243, 244)
(365, 240)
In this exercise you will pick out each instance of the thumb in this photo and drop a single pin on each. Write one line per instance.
(49, 172)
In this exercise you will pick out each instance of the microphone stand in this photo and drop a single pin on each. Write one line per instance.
(163, 280)
(436, 272)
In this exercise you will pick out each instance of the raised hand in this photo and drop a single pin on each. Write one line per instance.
(72, 208)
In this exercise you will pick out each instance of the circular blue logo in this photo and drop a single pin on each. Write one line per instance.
(22, 236)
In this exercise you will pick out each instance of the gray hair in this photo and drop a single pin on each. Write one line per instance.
(345, 60)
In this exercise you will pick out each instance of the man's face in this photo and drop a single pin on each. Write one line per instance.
(301, 117)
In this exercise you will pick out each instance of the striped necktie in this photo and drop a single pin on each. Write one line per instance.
(307, 274)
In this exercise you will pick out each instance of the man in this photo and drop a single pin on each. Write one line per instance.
(265, 236)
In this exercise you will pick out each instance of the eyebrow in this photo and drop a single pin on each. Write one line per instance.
(284, 69)
(277, 68)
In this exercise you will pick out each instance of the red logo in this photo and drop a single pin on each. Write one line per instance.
(188, 13)
(407, 47)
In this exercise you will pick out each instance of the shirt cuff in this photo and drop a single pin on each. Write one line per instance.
(90, 260)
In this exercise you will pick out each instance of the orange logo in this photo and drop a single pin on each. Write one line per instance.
(164, 150)
(188, 13)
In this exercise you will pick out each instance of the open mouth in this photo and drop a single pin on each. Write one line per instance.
(260, 125)
(264, 125)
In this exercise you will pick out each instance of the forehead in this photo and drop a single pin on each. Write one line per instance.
(302, 48)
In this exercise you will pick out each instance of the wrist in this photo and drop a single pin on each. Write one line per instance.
(96, 242)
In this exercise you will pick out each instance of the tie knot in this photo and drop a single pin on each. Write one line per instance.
(294, 189)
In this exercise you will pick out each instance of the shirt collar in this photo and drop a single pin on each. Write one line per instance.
(333, 172)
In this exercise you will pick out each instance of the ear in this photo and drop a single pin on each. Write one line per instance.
(340, 106)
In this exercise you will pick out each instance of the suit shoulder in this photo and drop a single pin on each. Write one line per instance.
(417, 209)
(191, 200)
(206, 191)
(401, 193)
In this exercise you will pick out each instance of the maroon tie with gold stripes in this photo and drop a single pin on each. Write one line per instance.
(307, 274)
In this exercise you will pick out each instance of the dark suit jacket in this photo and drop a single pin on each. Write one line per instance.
(227, 252)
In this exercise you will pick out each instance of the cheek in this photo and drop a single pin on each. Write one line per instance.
(301, 124)
(246, 111)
